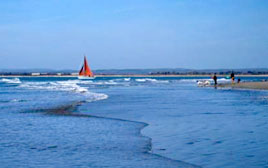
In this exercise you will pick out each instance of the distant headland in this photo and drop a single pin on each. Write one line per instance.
(137, 72)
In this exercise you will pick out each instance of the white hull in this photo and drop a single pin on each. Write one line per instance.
(85, 77)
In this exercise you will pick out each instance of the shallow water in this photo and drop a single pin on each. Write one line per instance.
(65, 122)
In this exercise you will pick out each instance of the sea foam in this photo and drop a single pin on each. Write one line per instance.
(69, 86)
(13, 80)
(151, 80)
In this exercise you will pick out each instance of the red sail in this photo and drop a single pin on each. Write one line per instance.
(85, 70)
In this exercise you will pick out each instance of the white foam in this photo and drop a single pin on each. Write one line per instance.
(96, 96)
(13, 80)
(204, 83)
(207, 82)
(70, 86)
(224, 80)
(151, 80)
(189, 80)
(110, 82)
(127, 79)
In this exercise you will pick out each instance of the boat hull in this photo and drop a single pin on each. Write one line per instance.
(85, 77)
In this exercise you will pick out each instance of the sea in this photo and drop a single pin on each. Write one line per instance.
(136, 122)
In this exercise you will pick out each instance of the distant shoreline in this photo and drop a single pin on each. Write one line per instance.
(136, 75)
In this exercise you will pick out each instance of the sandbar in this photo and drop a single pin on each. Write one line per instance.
(247, 85)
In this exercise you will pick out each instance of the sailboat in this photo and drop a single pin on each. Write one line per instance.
(85, 72)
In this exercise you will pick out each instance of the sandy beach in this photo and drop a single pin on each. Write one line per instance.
(247, 85)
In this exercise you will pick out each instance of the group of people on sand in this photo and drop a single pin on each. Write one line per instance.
(232, 76)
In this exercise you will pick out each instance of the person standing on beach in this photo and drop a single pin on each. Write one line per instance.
(215, 79)
(232, 77)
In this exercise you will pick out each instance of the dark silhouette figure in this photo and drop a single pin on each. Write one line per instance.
(215, 79)
(238, 80)
(232, 77)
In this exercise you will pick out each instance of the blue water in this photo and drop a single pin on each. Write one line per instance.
(131, 122)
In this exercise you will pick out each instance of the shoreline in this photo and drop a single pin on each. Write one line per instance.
(136, 75)
(70, 109)
(246, 85)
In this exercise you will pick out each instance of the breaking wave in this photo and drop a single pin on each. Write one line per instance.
(151, 80)
(89, 82)
(12, 81)
(70, 86)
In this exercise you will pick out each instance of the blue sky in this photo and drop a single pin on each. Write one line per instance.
(134, 33)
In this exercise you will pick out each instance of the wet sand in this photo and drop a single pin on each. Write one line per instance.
(247, 85)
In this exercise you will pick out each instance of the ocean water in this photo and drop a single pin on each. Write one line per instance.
(131, 122)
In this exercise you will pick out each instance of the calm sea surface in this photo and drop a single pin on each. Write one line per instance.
(131, 122)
